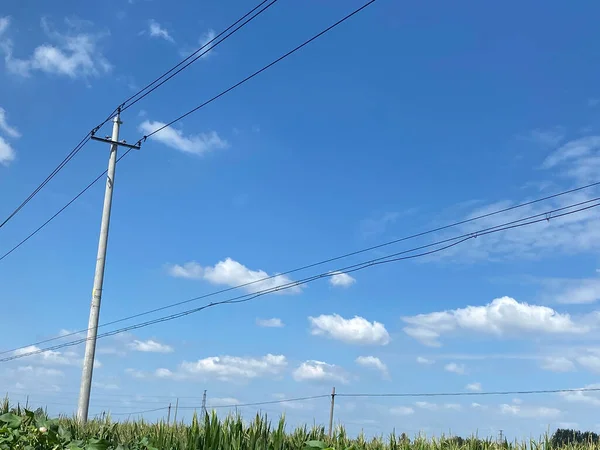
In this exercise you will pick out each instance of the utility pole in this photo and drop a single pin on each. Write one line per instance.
(92, 332)
(501, 437)
(203, 411)
(169, 415)
(331, 413)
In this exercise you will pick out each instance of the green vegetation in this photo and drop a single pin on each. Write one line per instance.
(28, 430)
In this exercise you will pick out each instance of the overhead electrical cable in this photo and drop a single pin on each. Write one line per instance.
(319, 263)
(451, 242)
(249, 77)
(146, 90)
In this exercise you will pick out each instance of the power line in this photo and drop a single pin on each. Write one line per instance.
(336, 258)
(58, 168)
(471, 394)
(137, 412)
(122, 108)
(249, 77)
(126, 103)
(198, 56)
(38, 229)
(270, 402)
(152, 86)
(537, 218)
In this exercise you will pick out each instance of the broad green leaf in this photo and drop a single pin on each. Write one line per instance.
(316, 444)
(12, 420)
(97, 444)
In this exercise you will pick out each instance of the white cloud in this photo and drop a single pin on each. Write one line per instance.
(357, 330)
(105, 386)
(135, 373)
(51, 357)
(39, 371)
(205, 39)
(157, 31)
(150, 346)
(425, 361)
(270, 323)
(232, 273)
(435, 407)
(319, 371)
(163, 373)
(224, 401)
(452, 367)
(110, 351)
(573, 150)
(575, 291)
(473, 387)
(546, 137)
(590, 398)
(372, 362)
(206, 50)
(531, 412)
(73, 55)
(590, 362)
(11, 131)
(426, 405)
(557, 364)
(198, 144)
(502, 317)
(402, 411)
(227, 368)
(453, 406)
(4, 24)
(7, 153)
(377, 225)
(341, 279)
(577, 162)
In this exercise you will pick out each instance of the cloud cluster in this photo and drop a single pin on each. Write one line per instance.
(341, 279)
(232, 273)
(74, 54)
(227, 368)
(459, 369)
(155, 30)
(7, 152)
(197, 144)
(357, 330)
(372, 362)
(578, 163)
(319, 371)
(503, 317)
(149, 346)
(530, 412)
(270, 323)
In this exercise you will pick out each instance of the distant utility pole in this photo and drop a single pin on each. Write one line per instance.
(501, 437)
(203, 410)
(331, 413)
(92, 332)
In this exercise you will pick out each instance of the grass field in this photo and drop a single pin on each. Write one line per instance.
(27, 430)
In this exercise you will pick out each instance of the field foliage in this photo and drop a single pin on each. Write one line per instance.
(33, 430)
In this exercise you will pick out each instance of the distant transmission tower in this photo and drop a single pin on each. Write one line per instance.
(203, 410)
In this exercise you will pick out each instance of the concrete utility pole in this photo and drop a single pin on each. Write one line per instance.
(331, 413)
(92, 332)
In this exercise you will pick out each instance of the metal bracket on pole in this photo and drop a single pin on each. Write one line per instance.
(121, 143)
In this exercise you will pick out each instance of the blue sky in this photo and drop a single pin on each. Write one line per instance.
(404, 118)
